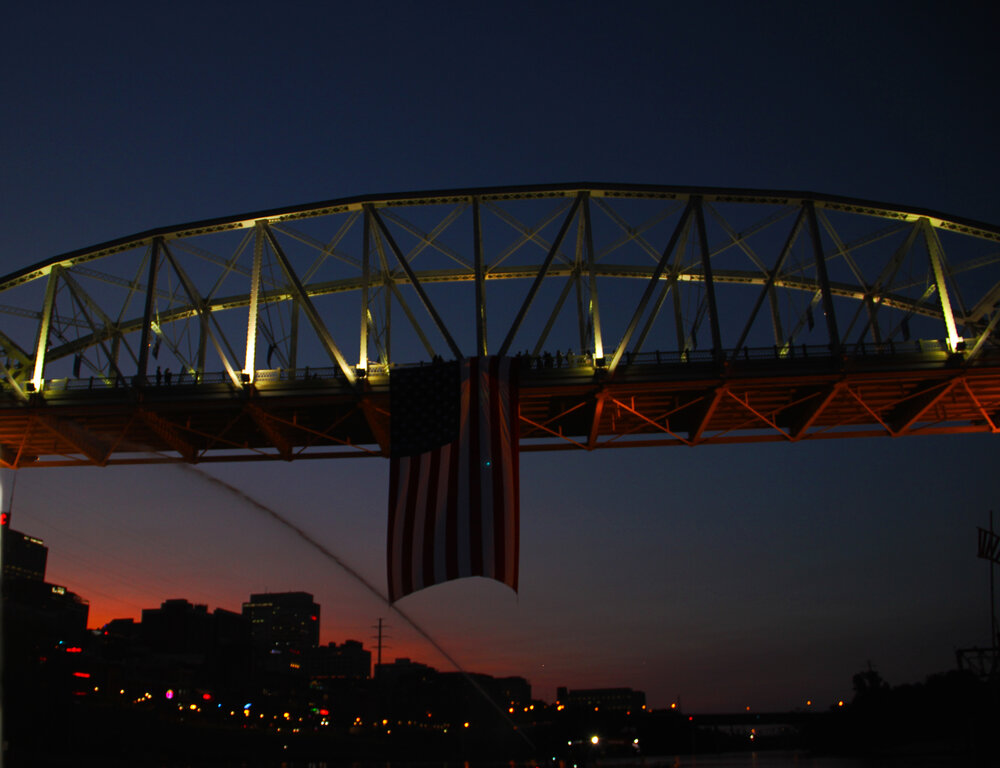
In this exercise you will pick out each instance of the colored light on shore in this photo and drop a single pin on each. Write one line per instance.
(169, 694)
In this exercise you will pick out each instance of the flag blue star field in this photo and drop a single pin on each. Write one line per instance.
(453, 479)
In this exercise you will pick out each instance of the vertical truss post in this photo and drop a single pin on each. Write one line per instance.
(293, 343)
(147, 314)
(592, 306)
(824, 279)
(43, 330)
(203, 334)
(679, 320)
(577, 278)
(250, 363)
(365, 286)
(706, 266)
(477, 247)
(936, 255)
(388, 287)
(387, 314)
(779, 334)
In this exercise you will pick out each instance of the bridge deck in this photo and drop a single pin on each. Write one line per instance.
(563, 406)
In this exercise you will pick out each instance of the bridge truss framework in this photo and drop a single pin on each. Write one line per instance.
(643, 315)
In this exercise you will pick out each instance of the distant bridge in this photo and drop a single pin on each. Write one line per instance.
(643, 315)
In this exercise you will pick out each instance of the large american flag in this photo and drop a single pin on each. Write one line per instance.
(453, 487)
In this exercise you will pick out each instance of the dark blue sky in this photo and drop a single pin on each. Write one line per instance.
(748, 575)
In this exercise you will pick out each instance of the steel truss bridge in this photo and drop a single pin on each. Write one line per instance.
(643, 315)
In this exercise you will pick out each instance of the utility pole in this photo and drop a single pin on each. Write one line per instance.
(989, 549)
(378, 647)
(987, 660)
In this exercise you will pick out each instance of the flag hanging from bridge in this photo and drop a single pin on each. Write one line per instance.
(453, 484)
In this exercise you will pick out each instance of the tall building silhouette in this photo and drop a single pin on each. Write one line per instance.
(37, 611)
(24, 556)
(283, 621)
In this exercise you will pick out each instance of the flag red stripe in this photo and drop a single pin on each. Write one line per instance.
(391, 553)
(475, 500)
(412, 494)
(451, 533)
(498, 454)
(430, 518)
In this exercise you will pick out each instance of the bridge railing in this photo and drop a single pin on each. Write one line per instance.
(920, 348)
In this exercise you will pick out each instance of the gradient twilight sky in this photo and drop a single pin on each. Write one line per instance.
(757, 575)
